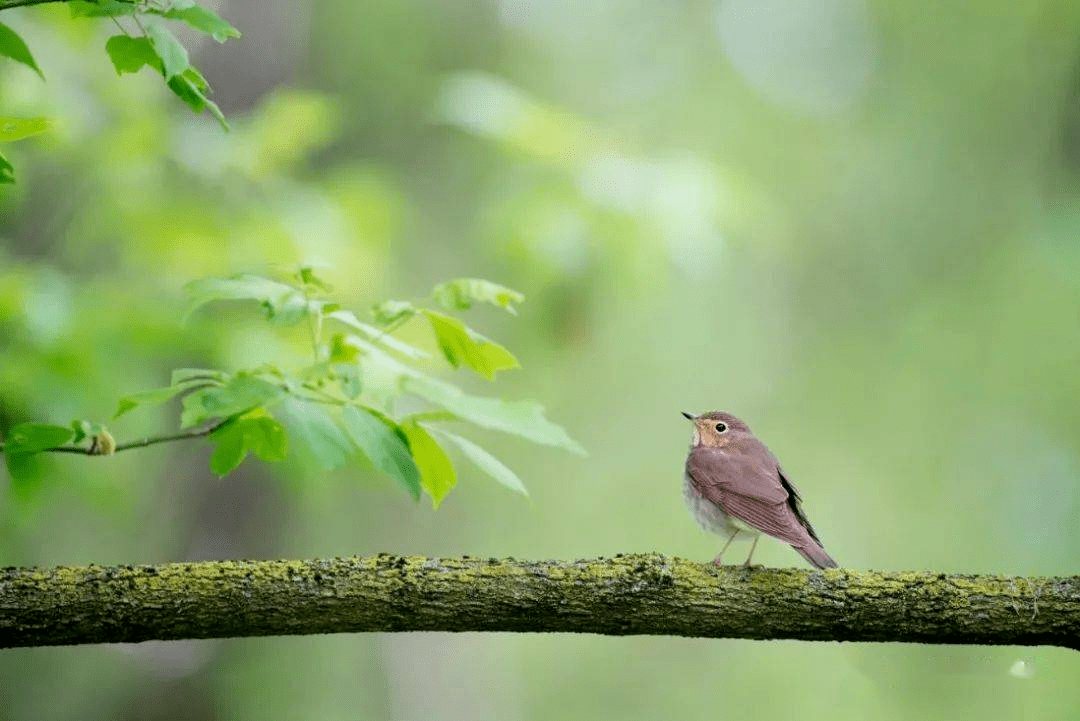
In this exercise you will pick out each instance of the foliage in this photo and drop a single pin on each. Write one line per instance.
(12, 129)
(145, 41)
(886, 294)
(341, 404)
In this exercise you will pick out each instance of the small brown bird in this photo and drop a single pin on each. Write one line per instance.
(733, 484)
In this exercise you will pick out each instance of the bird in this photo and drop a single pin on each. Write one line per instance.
(734, 485)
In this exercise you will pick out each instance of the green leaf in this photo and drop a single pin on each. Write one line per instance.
(27, 471)
(347, 317)
(377, 359)
(12, 46)
(271, 370)
(461, 293)
(182, 375)
(306, 275)
(261, 435)
(187, 89)
(174, 58)
(429, 417)
(463, 345)
(7, 173)
(437, 474)
(230, 451)
(191, 87)
(266, 438)
(84, 430)
(197, 78)
(348, 376)
(521, 418)
(129, 54)
(273, 295)
(290, 310)
(383, 446)
(36, 437)
(316, 374)
(240, 394)
(204, 20)
(391, 311)
(341, 351)
(382, 372)
(102, 8)
(163, 52)
(154, 397)
(488, 463)
(317, 430)
(218, 115)
(18, 128)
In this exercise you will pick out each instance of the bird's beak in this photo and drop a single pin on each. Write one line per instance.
(689, 416)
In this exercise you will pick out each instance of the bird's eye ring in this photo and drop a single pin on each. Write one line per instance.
(720, 427)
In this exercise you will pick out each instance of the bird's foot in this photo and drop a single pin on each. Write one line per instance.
(719, 560)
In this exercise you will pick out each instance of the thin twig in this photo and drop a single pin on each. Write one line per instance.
(8, 4)
(141, 443)
(396, 324)
(138, 22)
(326, 397)
(316, 334)
(165, 439)
(122, 28)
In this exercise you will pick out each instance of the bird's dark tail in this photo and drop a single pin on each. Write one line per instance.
(816, 555)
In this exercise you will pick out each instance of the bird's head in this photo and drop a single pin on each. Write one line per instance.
(716, 428)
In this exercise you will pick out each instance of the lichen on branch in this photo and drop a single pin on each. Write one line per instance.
(625, 595)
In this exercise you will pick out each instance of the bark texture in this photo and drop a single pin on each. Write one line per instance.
(632, 594)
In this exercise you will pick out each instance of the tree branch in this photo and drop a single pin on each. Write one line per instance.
(144, 442)
(7, 4)
(625, 595)
(141, 443)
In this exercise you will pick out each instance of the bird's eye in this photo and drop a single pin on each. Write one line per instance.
(720, 427)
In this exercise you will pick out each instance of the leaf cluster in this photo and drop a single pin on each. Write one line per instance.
(340, 406)
(145, 40)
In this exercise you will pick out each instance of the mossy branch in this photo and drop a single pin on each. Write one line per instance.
(625, 595)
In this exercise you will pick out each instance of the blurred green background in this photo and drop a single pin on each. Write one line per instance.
(854, 224)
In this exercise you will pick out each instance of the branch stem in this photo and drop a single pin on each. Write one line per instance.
(141, 443)
(144, 442)
(8, 4)
(627, 595)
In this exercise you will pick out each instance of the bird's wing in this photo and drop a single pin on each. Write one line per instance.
(749, 487)
(751, 472)
(795, 502)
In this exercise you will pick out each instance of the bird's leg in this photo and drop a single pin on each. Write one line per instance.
(752, 547)
(719, 560)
